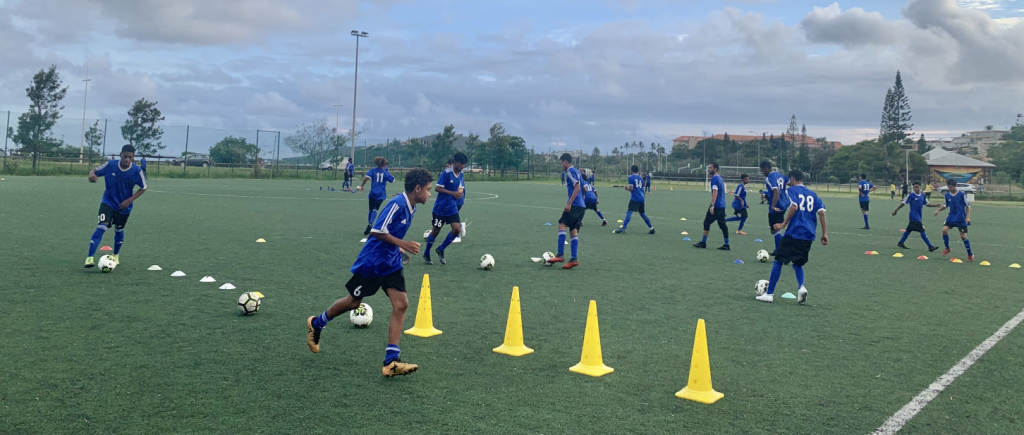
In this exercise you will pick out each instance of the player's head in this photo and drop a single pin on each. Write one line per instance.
(127, 156)
(459, 161)
(766, 168)
(713, 168)
(951, 184)
(450, 161)
(380, 161)
(796, 177)
(917, 187)
(417, 185)
(566, 160)
(863, 176)
(744, 178)
(635, 169)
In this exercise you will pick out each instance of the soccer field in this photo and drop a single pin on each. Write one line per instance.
(137, 351)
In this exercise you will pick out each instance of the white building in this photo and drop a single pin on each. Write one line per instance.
(979, 140)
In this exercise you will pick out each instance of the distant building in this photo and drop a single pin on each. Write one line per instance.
(980, 141)
(691, 141)
(944, 165)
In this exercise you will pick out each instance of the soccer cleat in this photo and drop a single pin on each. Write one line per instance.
(367, 232)
(945, 252)
(619, 231)
(724, 248)
(406, 258)
(312, 335)
(571, 264)
(426, 260)
(767, 297)
(604, 224)
(970, 258)
(557, 259)
(903, 246)
(117, 259)
(865, 228)
(740, 233)
(801, 295)
(771, 254)
(932, 248)
(398, 368)
(651, 231)
(440, 255)
(700, 245)
(89, 262)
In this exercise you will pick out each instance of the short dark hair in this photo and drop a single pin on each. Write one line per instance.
(916, 183)
(742, 176)
(715, 165)
(863, 176)
(417, 177)
(450, 161)
(797, 175)
(566, 157)
(950, 182)
(635, 169)
(766, 165)
(380, 161)
(460, 157)
(128, 149)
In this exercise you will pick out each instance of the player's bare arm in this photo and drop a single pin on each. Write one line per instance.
(968, 217)
(132, 199)
(407, 245)
(92, 176)
(824, 227)
(775, 200)
(572, 198)
(792, 212)
(898, 207)
(456, 194)
(714, 197)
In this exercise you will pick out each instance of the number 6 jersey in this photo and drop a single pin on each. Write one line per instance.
(804, 224)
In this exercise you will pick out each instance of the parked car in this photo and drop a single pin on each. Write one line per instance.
(969, 188)
(192, 160)
(327, 166)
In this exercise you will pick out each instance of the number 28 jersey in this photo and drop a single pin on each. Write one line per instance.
(804, 224)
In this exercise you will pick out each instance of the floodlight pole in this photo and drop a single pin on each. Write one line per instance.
(355, 87)
(85, 103)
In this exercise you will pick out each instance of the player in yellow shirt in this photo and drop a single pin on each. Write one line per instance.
(928, 191)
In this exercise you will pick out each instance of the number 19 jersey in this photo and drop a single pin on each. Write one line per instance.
(776, 180)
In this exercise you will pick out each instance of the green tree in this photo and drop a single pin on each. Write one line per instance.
(803, 158)
(313, 140)
(33, 133)
(94, 139)
(1009, 155)
(235, 150)
(871, 157)
(896, 114)
(441, 148)
(140, 130)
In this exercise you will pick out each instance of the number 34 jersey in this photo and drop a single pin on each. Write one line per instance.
(804, 224)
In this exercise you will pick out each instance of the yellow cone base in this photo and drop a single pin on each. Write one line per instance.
(423, 332)
(707, 397)
(513, 350)
(595, 371)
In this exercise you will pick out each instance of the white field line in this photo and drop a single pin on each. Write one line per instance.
(221, 195)
(901, 417)
(952, 239)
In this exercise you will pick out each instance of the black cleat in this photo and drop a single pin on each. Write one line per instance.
(440, 255)
(426, 259)
(724, 248)
(933, 248)
(866, 228)
(701, 245)
(903, 246)
(651, 231)
(604, 224)
(367, 232)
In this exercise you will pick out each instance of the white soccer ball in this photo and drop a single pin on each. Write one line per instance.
(361, 316)
(426, 234)
(248, 303)
(761, 287)
(762, 256)
(107, 264)
(487, 262)
(548, 255)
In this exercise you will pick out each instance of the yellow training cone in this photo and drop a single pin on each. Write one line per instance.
(260, 240)
(670, 189)
(874, 252)
(424, 326)
(591, 362)
(683, 219)
(699, 387)
(1015, 265)
(985, 263)
(620, 221)
(513, 344)
(897, 255)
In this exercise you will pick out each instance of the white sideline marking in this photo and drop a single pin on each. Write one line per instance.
(492, 196)
(951, 240)
(901, 417)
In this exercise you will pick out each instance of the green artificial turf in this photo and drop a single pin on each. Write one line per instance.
(137, 351)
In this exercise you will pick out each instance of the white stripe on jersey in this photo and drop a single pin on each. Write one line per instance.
(143, 175)
(387, 220)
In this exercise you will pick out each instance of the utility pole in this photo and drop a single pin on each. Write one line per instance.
(355, 87)
(337, 149)
(706, 139)
(81, 151)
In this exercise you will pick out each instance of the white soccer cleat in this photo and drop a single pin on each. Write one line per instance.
(767, 297)
(462, 230)
(457, 240)
(801, 295)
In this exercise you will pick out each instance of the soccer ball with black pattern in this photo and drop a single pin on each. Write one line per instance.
(248, 303)
(762, 256)
(487, 262)
(107, 264)
(761, 287)
(362, 316)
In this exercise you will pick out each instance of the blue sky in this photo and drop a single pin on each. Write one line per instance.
(553, 71)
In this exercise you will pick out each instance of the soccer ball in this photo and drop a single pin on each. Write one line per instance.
(487, 262)
(361, 316)
(107, 264)
(248, 303)
(426, 234)
(761, 287)
(548, 255)
(762, 256)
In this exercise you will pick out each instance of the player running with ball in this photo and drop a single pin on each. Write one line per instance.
(917, 201)
(450, 187)
(572, 215)
(802, 223)
(120, 178)
(379, 266)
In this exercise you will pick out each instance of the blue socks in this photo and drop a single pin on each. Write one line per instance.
(866, 221)
(799, 274)
(430, 242)
(625, 222)
(704, 239)
(732, 219)
(925, 238)
(447, 241)
(945, 239)
(320, 322)
(774, 279)
(967, 244)
(575, 244)
(778, 238)
(648, 221)
(97, 238)
(561, 243)
(118, 239)
(726, 241)
(373, 216)
(905, 235)
(391, 353)
(599, 214)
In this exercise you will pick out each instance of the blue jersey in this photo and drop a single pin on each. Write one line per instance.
(446, 205)
(804, 224)
(637, 194)
(350, 169)
(863, 189)
(120, 183)
(775, 180)
(572, 178)
(379, 179)
(717, 184)
(379, 258)
(741, 193)
(142, 163)
(957, 205)
(647, 180)
(589, 196)
(916, 203)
